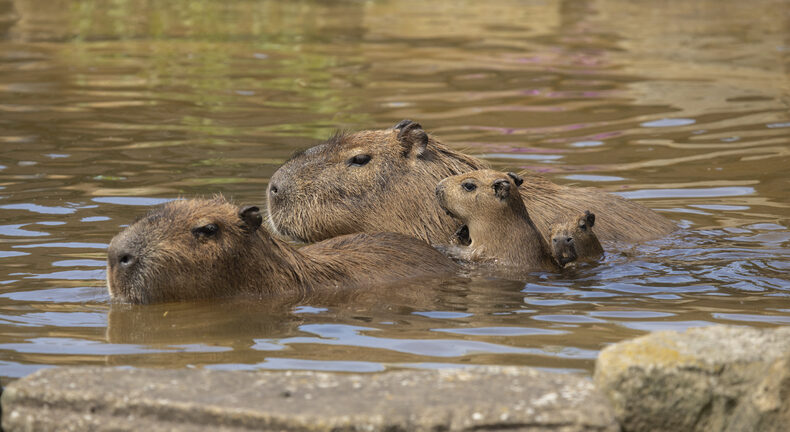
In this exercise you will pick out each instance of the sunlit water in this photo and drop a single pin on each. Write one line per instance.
(108, 108)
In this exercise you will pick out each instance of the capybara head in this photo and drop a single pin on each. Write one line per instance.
(575, 240)
(497, 227)
(184, 249)
(369, 181)
(482, 194)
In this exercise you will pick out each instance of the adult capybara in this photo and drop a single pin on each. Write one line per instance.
(575, 240)
(198, 249)
(499, 229)
(384, 180)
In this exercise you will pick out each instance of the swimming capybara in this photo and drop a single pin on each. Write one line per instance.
(499, 228)
(198, 249)
(575, 240)
(384, 180)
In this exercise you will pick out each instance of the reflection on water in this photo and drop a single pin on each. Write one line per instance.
(108, 108)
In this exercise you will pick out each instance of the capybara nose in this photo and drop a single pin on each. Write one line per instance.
(122, 258)
(439, 191)
(273, 189)
(126, 260)
(569, 240)
(120, 255)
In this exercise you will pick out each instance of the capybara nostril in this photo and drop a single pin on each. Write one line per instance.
(120, 253)
(569, 240)
(126, 260)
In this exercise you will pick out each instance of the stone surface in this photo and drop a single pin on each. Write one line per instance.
(718, 378)
(484, 398)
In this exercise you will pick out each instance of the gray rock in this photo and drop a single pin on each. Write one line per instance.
(484, 398)
(718, 378)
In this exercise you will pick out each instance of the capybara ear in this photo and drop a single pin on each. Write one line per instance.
(590, 217)
(501, 188)
(251, 216)
(403, 123)
(516, 178)
(412, 138)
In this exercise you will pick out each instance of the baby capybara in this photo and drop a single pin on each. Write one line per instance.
(575, 240)
(384, 180)
(498, 226)
(199, 249)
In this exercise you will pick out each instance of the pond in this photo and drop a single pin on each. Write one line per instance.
(108, 108)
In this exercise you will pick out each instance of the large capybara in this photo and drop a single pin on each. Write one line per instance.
(575, 241)
(384, 180)
(499, 229)
(198, 249)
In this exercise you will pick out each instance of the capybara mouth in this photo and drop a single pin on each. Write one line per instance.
(462, 235)
(566, 258)
(280, 228)
(285, 232)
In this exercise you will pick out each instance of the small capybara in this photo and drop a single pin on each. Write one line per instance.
(498, 227)
(199, 249)
(384, 180)
(575, 240)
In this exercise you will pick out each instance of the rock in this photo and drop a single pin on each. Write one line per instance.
(483, 398)
(719, 378)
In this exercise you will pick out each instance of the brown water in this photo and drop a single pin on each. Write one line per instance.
(108, 107)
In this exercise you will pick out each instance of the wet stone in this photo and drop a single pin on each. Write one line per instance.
(719, 378)
(481, 398)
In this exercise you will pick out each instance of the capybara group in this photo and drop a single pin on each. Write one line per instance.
(209, 248)
(575, 241)
(384, 180)
(499, 229)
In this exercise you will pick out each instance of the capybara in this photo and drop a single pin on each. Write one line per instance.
(384, 180)
(575, 240)
(498, 225)
(199, 249)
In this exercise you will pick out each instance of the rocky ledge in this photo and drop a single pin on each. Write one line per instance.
(480, 398)
(718, 378)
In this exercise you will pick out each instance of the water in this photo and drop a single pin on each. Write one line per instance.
(107, 108)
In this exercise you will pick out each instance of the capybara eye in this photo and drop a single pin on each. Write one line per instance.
(205, 230)
(468, 186)
(359, 160)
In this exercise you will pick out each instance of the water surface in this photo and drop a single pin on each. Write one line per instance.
(108, 108)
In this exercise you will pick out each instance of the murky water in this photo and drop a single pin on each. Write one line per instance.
(107, 108)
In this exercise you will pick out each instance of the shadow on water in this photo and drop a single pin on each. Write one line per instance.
(107, 108)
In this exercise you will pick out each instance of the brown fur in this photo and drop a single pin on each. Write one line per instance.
(174, 253)
(575, 240)
(499, 227)
(321, 193)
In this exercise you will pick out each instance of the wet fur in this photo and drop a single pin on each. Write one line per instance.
(240, 259)
(326, 197)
